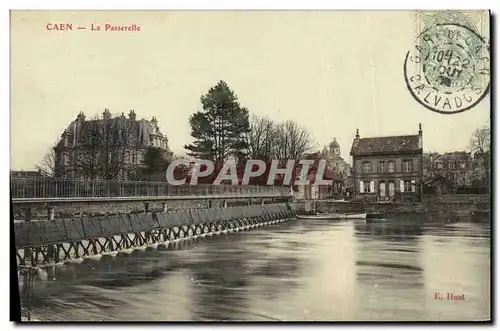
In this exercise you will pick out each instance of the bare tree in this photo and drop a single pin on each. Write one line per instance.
(268, 140)
(299, 140)
(47, 165)
(291, 141)
(260, 138)
(103, 148)
(480, 146)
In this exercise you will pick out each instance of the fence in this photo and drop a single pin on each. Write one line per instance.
(59, 188)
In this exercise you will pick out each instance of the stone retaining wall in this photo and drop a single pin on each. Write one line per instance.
(428, 206)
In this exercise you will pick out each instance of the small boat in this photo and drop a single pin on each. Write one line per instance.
(329, 216)
(315, 217)
(348, 216)
(376, 217)
(355, 216)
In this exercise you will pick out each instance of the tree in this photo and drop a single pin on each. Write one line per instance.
(220, 127)
(268, 140)
(293, 141)
(155, 163)
(47, 165)
(104, 147)
(480, 146)
(260, 138)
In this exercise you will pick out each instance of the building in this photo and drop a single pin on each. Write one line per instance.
(107, 147)
(335, 162)
(449, 171)
(428, 159)
(313, 190)
(388, 167)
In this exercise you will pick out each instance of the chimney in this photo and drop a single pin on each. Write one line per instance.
(131, 115)
(106, 115)
(357, 133)
(64, 136)
(420, 138)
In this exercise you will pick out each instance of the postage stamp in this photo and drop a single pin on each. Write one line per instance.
(448, 69)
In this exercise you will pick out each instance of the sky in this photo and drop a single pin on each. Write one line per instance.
(332, 72)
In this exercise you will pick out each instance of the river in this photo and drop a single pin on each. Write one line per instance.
(306, 270)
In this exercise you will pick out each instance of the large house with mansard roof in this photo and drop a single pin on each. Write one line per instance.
(385, 168)
(140, 135)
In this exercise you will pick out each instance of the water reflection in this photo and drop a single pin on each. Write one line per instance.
(308, 270)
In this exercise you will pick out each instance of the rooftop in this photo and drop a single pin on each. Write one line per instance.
(140, 128)
(385, 145)
(453, 155)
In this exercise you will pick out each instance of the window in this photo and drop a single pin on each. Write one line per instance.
(366, 186)
(451, 165)
(451, 176)
(407, 166)
(381, 167)
(381, 189)
(407, 186)
(390, 166)
(392, 188)
(367, 167)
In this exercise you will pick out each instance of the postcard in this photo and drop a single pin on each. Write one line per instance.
(235, 166)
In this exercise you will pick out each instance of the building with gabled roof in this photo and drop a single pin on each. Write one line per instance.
(387, 167)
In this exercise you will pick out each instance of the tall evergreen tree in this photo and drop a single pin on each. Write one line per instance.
(219, 129)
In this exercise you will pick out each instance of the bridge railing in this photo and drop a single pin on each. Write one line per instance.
(58, 188)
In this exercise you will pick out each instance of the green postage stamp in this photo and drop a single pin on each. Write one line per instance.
(448, 69)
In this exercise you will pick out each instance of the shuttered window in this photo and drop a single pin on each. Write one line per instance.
(407, 166)
(407, 186)
(390, 166)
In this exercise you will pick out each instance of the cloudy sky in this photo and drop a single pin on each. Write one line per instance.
(332, 72)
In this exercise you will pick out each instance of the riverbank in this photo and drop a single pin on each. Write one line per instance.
(469, 210)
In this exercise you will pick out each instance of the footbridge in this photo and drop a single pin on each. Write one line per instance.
(29, 194)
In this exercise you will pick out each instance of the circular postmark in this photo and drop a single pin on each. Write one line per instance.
(448, 70)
